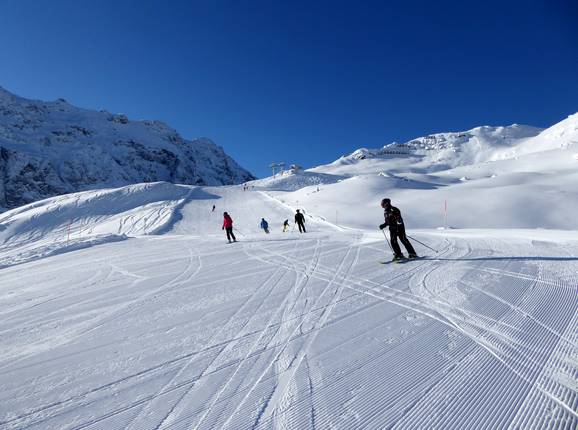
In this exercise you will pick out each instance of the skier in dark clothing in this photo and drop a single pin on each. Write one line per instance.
(285, 225)
(394, 220)
(213, 208)
(228, 226)
(265, 225)
(300, 221)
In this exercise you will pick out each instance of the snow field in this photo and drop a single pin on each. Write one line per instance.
(74, 221)
(306, 332)
(164, 325)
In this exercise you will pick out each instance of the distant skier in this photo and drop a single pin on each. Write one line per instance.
(394, 220)
(228, 227)
(213, 208)
(285, 225)
(300, 221)
(265, 225)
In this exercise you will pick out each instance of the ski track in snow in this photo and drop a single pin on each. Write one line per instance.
(290, 331)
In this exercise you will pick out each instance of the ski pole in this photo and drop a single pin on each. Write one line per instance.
(387, 240)
(427, 246)
(240, 232)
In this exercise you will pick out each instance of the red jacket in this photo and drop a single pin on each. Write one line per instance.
(227, 221)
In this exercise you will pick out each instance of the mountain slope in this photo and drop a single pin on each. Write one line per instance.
(439, 151)
(280, 330)
(51, 148)
(521, 177)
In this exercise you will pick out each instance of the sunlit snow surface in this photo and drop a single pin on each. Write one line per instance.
(181, 330)
(126, 308)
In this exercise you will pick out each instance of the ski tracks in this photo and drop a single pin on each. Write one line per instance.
(483, 342)
(289, 302)
(520, 352)
(69, 335)
(219, 358)
(286, 386)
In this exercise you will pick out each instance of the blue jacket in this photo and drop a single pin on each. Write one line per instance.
(264, 224)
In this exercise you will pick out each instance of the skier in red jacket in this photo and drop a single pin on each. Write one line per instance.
(228, 226)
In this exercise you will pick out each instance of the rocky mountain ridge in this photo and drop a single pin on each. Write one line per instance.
(52, 148)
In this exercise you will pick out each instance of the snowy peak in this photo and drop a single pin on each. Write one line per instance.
(564, 130)
(451, 149)
(50, 148)
(455, 141)
(492, 136)
(561, 135)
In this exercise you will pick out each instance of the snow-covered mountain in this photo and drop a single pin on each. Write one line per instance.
(452, 149)
(126, 308)
(445, 151)
(52, 148)
(490, 177)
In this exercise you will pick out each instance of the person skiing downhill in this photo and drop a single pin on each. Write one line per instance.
(285, 225)
(394, 220)
(228, 227)
(265, 225)
(300, 221)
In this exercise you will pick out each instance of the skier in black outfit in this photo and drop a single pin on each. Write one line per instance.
(394, 220)
(300, 221)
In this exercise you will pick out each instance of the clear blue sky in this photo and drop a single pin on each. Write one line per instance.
(299, 81)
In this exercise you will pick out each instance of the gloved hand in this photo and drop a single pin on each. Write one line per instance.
(382, 226)
(223, 228)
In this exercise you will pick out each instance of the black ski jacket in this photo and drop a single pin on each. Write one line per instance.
(393, 219)
(299, 218)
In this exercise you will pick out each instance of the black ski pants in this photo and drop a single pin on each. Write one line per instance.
(399, 233)
(301, 227)
(230, 234)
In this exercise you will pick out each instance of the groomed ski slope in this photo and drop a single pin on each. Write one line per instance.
(286, 331)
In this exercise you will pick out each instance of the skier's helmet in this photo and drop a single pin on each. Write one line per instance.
(385, 202)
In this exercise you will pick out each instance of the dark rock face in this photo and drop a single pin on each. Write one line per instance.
(51, 148)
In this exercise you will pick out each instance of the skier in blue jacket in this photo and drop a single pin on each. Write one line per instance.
(265, 225)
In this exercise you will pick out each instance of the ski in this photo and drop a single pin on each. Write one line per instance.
(402, 260)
